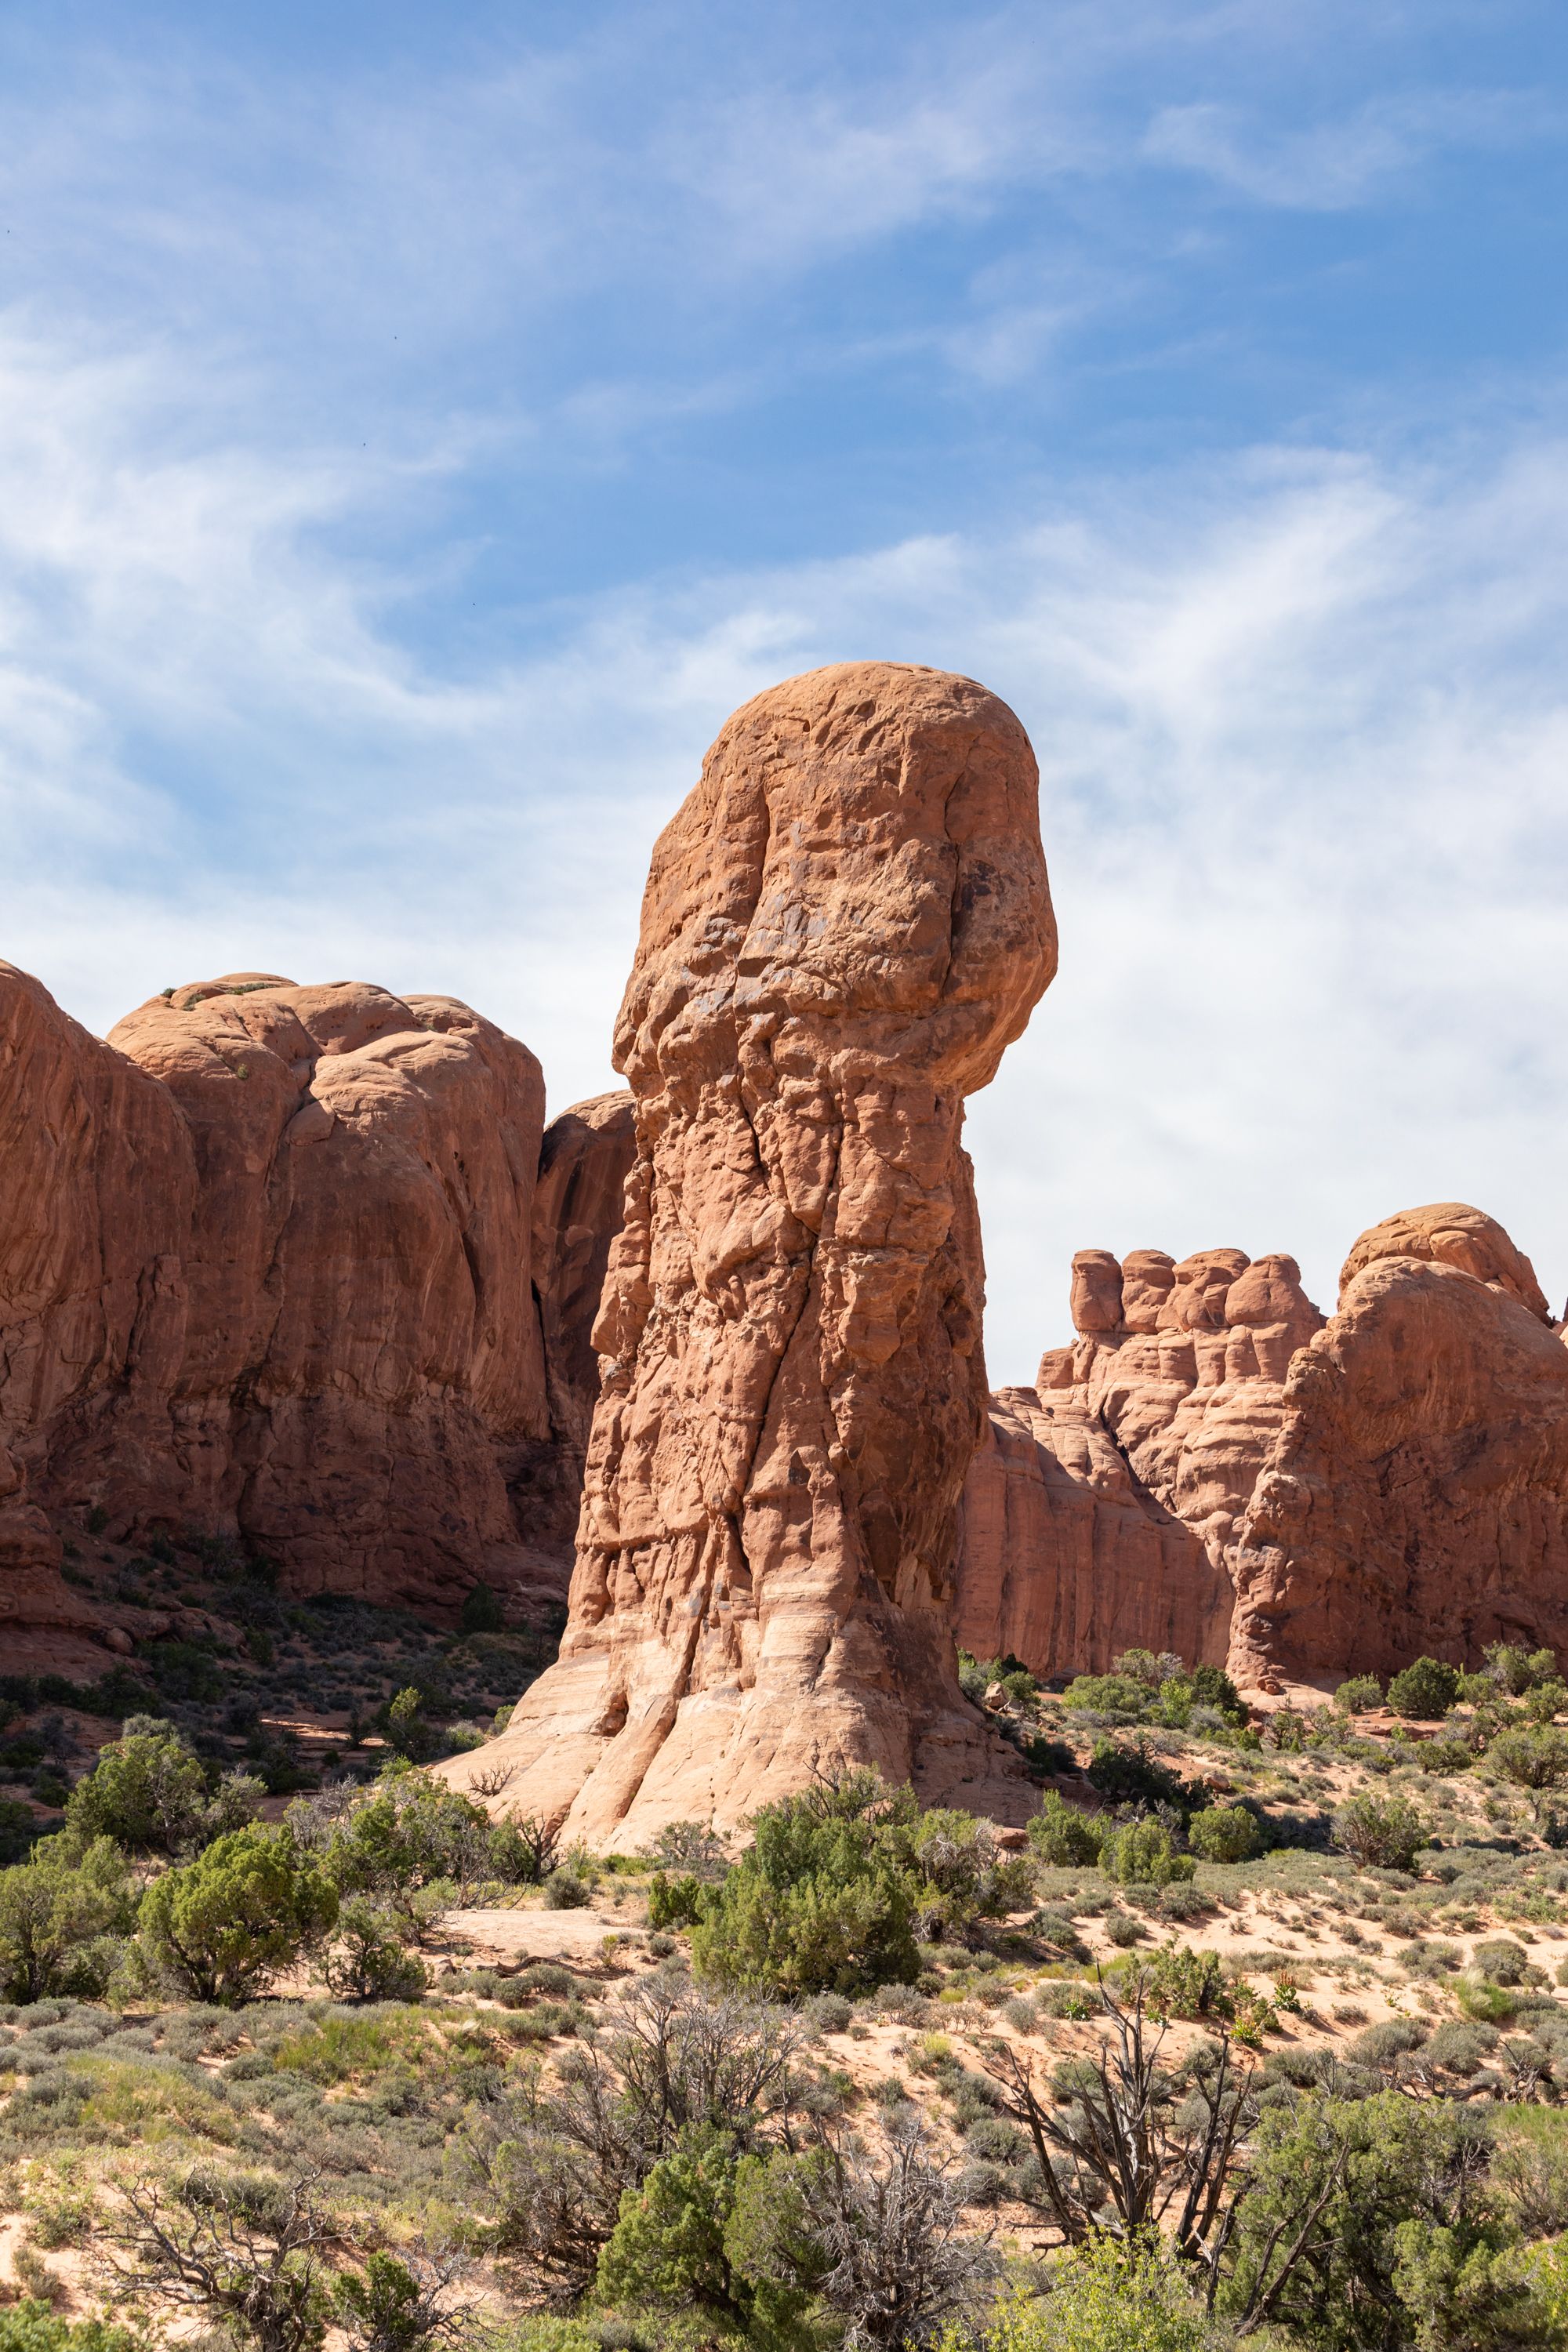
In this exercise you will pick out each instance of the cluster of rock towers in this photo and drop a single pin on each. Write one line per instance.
(302, 1266)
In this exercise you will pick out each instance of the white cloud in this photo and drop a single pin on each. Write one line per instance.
(1302, 736)
(1347, 159)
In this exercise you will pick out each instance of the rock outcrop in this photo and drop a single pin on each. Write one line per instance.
(266, 1273)
(1211, 1469)
(1416, 1496)
(845, 925)
(98, 1181)
(1098, 1516)
(578, 1209)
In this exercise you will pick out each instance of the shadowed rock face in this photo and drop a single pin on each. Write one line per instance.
(97, 1185)
(844, 926)
(265, 1270)
(588, 1154)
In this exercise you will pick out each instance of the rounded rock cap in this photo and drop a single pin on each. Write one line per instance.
(1450, 1232)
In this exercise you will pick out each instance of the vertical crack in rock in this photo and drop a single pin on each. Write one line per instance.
(845, 925)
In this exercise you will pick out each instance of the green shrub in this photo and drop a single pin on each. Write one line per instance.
(410, 1834)
(148, 1791)
(1107, 1695)
(1062, 1836)
(1212, 1686)
(481, 1611)
(1515, 1670)
(1502, 1959)
(1132, 1776)
(183, 1670)
(1105, 2296)
(384, 2308)
(60, 1920)
(1142, 1853)
(222, 1925)
(402, 1723)
(369, 1960)
(1359, 1695)
(1393, 2038)
(1531, 1759)
(1384, 1834)
(19, 1826)
(1424, 1690)
(1178, 1982)
(668, 2246)
(31, 2325)
(823, 1901)
(1224, 1833)
(1543, 1701)
(566, 1890)
(1481, 1996)
(673, 1902)
(963, 1875)
(1459, 2045)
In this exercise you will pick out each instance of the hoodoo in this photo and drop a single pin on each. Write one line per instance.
(844, 927)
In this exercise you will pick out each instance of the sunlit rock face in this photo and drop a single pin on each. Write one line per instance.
(845, 925)
(1212, 1469)
(266, 1273)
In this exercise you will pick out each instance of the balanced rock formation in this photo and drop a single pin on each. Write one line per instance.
(266, 1272)
(1211, 1469)
(845, 925)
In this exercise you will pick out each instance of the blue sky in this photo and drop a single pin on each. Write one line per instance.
(421, 426)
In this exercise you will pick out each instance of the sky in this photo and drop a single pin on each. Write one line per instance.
(420, 426)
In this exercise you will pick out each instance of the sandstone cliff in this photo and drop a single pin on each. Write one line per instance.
(266, 1270)
(844, 926)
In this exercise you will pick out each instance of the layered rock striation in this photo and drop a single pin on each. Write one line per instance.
(1214, 1469)
(845, 925)
(266, 1272)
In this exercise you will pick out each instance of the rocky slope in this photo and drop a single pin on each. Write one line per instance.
(845, 925)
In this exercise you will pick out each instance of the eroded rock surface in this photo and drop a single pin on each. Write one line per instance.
(1416, 1496)
(267, 1272)
(1211, 1469)
(844, 926)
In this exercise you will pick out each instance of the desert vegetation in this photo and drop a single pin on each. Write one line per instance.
(1255, 2032)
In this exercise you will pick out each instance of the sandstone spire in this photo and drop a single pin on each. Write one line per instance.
(844, 926)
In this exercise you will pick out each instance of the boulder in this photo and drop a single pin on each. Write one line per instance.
(845, 925)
